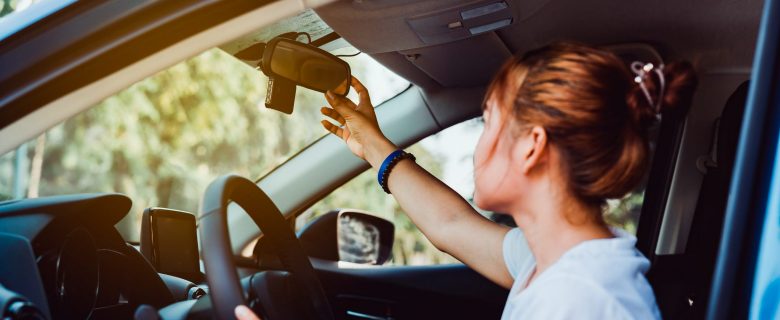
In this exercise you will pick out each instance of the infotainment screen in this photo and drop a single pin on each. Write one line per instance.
(170, 242)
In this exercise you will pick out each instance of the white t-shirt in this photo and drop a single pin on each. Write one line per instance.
(596, 279)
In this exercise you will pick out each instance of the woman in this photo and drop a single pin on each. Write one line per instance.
(565, 129)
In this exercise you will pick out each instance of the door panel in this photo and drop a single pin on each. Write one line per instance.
(410, 292)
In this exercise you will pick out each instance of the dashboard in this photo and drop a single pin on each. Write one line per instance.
(78, 266)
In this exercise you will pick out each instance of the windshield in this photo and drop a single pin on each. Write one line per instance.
(16, 15)
(163, 139)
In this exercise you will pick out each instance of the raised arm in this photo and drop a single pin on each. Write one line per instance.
(445, 218)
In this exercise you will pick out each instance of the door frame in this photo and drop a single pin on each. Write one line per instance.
(750, 189)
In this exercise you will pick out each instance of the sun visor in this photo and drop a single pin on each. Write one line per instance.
(464, 63)
(379, 26)
(461, 22)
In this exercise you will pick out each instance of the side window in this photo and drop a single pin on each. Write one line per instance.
(624, 213)
(448, 155)
(362, 192)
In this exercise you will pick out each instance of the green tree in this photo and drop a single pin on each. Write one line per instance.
(363, 193)
(163, 139)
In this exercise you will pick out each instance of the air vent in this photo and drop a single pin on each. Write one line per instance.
(461, 22)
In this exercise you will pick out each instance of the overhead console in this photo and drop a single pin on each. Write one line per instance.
(442, 44)
(461, 22)
(437, 45)
(415, 24)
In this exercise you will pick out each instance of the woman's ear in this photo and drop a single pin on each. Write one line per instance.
(534, 152)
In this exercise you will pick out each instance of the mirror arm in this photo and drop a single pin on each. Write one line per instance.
(328, 38)
(255, 51)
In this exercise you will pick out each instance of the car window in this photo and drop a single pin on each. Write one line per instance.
(448, 155)
(16, 15)
(163, 139)
(410, 247)
(455, 148)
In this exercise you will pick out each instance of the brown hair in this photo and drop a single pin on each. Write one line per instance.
(593, 112)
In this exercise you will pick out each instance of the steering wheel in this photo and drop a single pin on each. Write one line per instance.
(225, 288)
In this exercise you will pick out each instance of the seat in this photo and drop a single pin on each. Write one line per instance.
(682, 282)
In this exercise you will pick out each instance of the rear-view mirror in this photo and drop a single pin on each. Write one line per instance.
(306, 66)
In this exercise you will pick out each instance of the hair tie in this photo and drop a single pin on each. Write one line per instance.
(641, 70)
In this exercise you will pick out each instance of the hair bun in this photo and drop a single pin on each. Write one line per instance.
(594, 113)
(677, 86)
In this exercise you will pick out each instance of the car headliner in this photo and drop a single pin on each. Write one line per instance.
(694, 30)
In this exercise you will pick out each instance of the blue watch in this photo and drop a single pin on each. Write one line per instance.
(384, 170)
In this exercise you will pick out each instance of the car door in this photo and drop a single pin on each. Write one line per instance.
(407, 292)
(747, 277)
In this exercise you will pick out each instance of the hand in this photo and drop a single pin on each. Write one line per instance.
(359, 127)
(244, 313)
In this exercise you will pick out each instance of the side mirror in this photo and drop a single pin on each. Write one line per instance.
(363, 238)
(349, 235)
(306, 66)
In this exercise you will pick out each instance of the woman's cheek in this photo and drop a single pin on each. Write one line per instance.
(479, 152)
(484, 172)
(479, 164)
(482, 197)
(487, 163)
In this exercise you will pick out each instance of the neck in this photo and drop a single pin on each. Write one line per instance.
(551, 229)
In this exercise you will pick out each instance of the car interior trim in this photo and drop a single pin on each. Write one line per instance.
(749, 187)
(686, 180)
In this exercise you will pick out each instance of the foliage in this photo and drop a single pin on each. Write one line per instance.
(163, 139)
(363, 193)
(624, 213)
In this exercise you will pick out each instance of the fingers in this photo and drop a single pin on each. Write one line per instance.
(342, 105)
(361, 91)
(339, 132)
(333, 114)
(244, 313)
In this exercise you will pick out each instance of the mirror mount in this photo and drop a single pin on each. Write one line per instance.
(255, 51)
(289, 63)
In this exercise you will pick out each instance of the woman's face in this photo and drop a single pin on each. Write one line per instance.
(497, 183)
